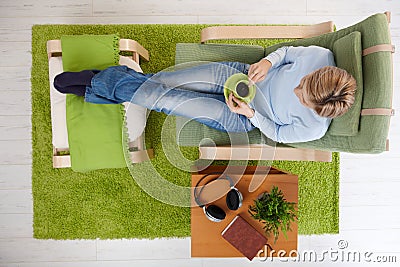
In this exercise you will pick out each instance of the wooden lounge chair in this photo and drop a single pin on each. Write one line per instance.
(363, 49)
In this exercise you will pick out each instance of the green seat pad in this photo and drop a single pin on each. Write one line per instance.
(94, 130)
(192, 133)
(348, 53)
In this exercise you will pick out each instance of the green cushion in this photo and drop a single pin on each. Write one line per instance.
(348, 54)
(90, 150)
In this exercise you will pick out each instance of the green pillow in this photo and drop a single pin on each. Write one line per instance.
(348, 53)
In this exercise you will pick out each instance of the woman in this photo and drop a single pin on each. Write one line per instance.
(299, 91)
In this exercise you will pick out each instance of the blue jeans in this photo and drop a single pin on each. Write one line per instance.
(195, 92)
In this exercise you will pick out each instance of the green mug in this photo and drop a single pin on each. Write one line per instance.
(238, 84)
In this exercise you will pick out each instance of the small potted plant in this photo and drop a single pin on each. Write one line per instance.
(274, 211)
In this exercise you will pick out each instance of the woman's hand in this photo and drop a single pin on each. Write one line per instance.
(239, 107)
(259, 70)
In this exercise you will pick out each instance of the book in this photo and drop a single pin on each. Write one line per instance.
(244, 237)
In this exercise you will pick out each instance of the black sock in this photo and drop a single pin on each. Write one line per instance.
(74, 82)
(78, 90)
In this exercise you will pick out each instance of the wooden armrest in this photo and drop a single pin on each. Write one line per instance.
(133, 46)
(265, 32)
(263, 152)
(127, 45)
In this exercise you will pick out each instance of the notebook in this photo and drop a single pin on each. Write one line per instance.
(244, 237)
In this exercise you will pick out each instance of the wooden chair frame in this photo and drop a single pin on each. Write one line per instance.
(137, 151)
(263, 152)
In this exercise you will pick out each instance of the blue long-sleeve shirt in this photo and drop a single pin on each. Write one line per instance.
(278, 112)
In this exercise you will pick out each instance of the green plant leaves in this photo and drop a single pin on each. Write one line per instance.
(274, 211)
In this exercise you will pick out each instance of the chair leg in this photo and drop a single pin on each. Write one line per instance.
(138, 152)
(61, 161)
(141, 155)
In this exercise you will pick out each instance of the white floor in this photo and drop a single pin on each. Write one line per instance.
(369, 185)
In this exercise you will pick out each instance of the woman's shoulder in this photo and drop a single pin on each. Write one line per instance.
(316, 125)
(311, 49)
(316, 57)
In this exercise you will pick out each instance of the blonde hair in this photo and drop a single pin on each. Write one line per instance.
(330, 91)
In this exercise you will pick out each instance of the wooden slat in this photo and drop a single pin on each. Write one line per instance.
(264, 32)
(377, 112)
(378, 48)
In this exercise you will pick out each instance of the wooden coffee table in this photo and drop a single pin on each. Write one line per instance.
(206, 239)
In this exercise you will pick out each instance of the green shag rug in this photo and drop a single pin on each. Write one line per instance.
(109, 203)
